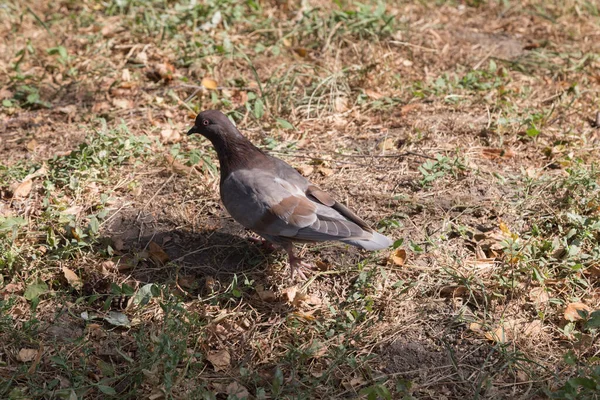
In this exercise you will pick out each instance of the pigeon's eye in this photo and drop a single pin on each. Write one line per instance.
(205, 122)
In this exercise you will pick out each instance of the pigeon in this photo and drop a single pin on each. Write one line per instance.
(268, 196)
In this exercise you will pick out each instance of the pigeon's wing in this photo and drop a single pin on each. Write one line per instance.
(264, 202)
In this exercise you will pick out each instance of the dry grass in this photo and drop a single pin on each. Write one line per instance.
(467, 131)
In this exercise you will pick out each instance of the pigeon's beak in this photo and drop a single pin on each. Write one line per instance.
(193, 130)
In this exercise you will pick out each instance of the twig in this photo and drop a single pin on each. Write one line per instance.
(416, 46)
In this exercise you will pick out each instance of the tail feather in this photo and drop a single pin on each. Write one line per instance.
(376, 242)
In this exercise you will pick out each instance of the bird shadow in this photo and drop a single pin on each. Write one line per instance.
(154, 252)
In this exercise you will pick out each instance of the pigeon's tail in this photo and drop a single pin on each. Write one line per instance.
(376, 242)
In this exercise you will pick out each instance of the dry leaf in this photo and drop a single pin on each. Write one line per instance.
(571, 312)
(324, 171)
(387, 144)
(157, 253)
(475, 326)
(124, 104)
(176, 166)
(265, 295)
(305, 170)
(209, 83)
(532, 329)
(188, 281)
(71, 109)
(398, 257)
(502, 333)
(26, 355)
(220, 359)
(493, 153)
(409, 108)
(373, 94)
(32, 144)
(238, 391)
(539, 296)
(169, 135)
(23, 189)
(340, 104)
(290, 293)
(72, 278)
(301, 51)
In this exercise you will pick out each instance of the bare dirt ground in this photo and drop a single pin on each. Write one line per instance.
(468, 131)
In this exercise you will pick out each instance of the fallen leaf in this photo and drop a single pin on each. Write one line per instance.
(73, 210)
(32, 144)
(169, 135)
(503, 333)
(305, 170)
(373, 94)
(398, 257)
(340, 104)
(220, 359)
(72, 278)
(23, 189)
(124, 104)
(532, 329)
(177, 166)
(324, 171)
(301, 51)
(188, 282)
(157, 253)
(26, 355)
(539, 296)
(475, 327)
(35, 290)
(494, 153)
(409, 108)
(209, 83)
(161, 71)
(316, 349)
(290, 293)
(69, 110)
(571, 312)
(387, 144)
(117, 319)
(238, 391)
(265, 295)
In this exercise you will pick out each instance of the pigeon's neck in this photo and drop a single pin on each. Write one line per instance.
(237, 152)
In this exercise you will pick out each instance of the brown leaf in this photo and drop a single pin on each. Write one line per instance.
(398, 257)
(32, 144)
(220, 359)
(503, 333)
(324, 171)
(188, 281)
(387, 144)
(169, 135)
(157, 253)
(340, 104)
(209, 83)
(373, 94)
(571, 312)
(26, 355)
(409, 108)
(176, 166)
(539, 296)
(5, 94)
(23, 189)
(265, 295)
(72, 278)
(301, 51)
(238, 391)
(493, 153)
(124, 104)
(305, 170)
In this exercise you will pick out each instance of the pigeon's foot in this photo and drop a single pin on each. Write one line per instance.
(296, 264)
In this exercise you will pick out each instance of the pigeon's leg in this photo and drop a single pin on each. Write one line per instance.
(296, 263)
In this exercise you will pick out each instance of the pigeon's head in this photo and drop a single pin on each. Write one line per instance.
(213, 124)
